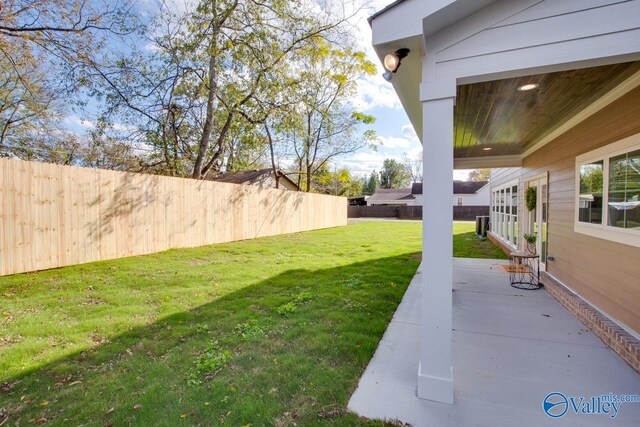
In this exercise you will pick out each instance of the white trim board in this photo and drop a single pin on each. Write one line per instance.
(604, 231)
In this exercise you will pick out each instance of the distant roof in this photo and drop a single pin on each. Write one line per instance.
(459, 187)
(391, 194)
(416, 188)
(246, 177)
(467, 187)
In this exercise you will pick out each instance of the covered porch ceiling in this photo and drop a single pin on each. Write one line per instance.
(496, 120)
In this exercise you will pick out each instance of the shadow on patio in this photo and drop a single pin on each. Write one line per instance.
(511, 348)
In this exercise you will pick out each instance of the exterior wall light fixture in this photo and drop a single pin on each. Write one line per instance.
(392, 62)
(529, 86)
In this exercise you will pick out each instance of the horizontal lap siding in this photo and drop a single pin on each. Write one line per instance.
(502, 176)
(53, 216)
(604, 272)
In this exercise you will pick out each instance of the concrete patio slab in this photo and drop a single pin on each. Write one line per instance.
(511, 348)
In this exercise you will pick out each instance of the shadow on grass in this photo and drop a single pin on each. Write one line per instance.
(295, 345)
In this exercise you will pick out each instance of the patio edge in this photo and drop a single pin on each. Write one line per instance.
(613, 335)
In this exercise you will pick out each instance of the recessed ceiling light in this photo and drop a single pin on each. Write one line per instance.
(486, 149)
(529, 86)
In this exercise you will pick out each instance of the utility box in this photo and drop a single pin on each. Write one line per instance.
(482, 226)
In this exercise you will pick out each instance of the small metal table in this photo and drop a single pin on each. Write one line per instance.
(524, 270)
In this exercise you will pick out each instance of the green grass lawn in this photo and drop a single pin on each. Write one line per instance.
(272, 331)
(467, 245)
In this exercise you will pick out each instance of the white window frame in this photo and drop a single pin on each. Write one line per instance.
(502, 222)
(604, 231)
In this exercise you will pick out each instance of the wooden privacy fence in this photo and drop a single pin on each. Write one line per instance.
(468, 213)
(52, 215)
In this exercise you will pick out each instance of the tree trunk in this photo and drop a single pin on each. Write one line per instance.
(203, 147)
(276, 175)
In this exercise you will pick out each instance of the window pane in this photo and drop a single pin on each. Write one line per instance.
(514, 209)
(590, 198)
(507, 200)
(624, 190)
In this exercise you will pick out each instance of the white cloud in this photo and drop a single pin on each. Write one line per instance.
(123, 128)
(409, 132)
(76, 123)
(363, 163)
(394, 142)
(374, 91)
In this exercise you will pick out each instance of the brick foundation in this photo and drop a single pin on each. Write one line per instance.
(619, 340)
(499, 243)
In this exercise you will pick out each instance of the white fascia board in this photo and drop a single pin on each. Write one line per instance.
(404, 20)
(440, 28)
(582, 39)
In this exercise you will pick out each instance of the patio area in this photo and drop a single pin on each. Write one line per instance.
(511, 348)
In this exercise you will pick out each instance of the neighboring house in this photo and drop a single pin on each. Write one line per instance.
(392, 196)
(550, 91)
(465, 193)
(261, 177)
(357, 201)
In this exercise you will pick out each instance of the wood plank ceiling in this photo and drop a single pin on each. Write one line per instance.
(498, 116)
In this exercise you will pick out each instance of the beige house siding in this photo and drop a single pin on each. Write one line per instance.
(605, 273)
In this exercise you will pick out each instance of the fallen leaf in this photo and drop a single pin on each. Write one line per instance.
(45, 403)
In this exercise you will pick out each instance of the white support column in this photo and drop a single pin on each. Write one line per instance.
(435, 374)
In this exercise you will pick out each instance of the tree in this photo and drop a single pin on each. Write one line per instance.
(320, 122)
(46, 47)
(210, 76)
(414, 166)
(591, 180)
(371, 184)
(393, 174)
(26, 101)
(479, 175)
(339, 182)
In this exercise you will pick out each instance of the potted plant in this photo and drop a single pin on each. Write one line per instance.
(530, 239)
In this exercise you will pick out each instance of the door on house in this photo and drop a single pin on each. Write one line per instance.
(537, 218)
